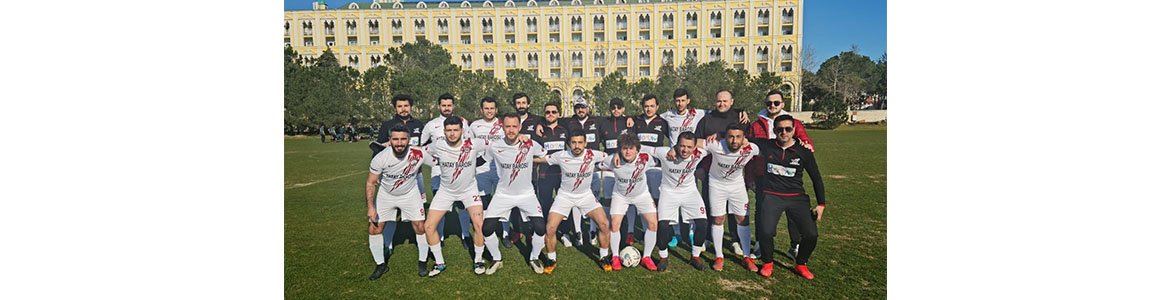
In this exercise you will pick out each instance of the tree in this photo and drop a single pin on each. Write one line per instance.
(612, 86)
(521, 81)
(474, 86)
(424, 71)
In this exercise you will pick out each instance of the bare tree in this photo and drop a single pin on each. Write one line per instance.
(808, 57)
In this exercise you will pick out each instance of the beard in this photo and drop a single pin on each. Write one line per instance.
(398, 153)
(521, 110)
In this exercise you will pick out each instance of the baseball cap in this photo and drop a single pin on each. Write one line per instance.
(615, 102)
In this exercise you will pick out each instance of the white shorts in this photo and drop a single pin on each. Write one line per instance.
(690, 202)
(443, 199)
(564, 203)
(501, 206)
(412, 210)
(725, 199)
(642, 202)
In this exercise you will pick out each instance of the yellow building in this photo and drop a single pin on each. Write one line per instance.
(570, 44)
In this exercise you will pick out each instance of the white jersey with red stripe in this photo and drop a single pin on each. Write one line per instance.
(490, 131)
(679, 175)
(514, 166)
(630, 177)
(457, 163)
(398, 174)
(727, 165)
(577, 171)
(687, 120)
(433, 132)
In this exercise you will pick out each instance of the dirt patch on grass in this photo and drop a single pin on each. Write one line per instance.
(838, 176)
(741, 287)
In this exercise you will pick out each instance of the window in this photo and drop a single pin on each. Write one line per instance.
(489, 61)
(622, 59)
(786, 52)
(487, 25)
(622, 22)
(533, 60)
(644, 22)
(578, 60)
(350, 27)
(372, 26)
(716, 54)
(787, 16)
(668, 20)
(443, 28)
(464, 26)
(420, 26)
(465, 61)
(575, 23)
(644, 58)
(329, 28)
(762, 54)
(692, 54)
(668, 57)
(307, 28)
(599, 23)
(739, 18)
(692, 19)
(352, 61)
(763, 17)
(510, 61)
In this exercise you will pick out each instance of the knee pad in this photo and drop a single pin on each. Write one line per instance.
(538, 225)
(490, 226)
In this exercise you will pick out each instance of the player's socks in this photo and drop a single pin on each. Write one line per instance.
(478, 254)
(631, 214)
(649, 239)
(604, 253)
(421, 240)
(493, 246)
(696, 250)
(717, 239)
(442, 228)
(663, 253)
(376, 248)
(745, 238)
(391, 228)
(552, 256)
(615, 240)
(504, 225)
(438, 252)
(537, 244)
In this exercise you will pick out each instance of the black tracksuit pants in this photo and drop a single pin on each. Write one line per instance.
(797, 208)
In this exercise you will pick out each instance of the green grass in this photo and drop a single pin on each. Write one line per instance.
(326, 252)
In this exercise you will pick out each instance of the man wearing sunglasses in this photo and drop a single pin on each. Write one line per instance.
(762, 129)
(552, 135)
(609, 129)
(782, 190)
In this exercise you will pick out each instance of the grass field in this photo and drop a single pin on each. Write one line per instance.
(327, 256)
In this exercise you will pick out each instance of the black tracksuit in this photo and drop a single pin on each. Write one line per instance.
(783, 189)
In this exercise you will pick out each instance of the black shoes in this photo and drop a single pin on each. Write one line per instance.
(379, 270)
(422, 269)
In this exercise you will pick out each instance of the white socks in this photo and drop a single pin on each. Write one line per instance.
(537, 245)
(745, 239)
(438, 252)
(552, 256)
(391, 228)
(615, 240)
(604, 253)
(376, 248)
(663, 253)
(421, 240)
(478, 253)
(696, 250)
(465, 223)
(717, 238)
(493, 246)
(648, 240)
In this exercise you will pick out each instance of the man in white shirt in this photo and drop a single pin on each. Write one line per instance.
(513, 160)
(391, 187)
(629, 172)
(577, 167)
(490, 129)
(679, 192)
(433, 132)
(725, 186)
(456, 155)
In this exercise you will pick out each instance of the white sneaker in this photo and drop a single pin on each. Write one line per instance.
(480, 268)
(594, 240)
(735, 247)
(565, 240)
(536, 266)
(496, 264)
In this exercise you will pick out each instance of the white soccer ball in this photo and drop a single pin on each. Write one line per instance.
(630, 256)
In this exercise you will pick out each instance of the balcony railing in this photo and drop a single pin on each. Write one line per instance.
(487, 30)
(692, 23)
(375, 30)
(509, 29)
(555, 64)
(621, 62)
(786, 56)
(533, 64)
(577, 63)
(598, 26)
(532, 28)
(465, 30)
(644, 61)
(622, 26)
(738, 22)
(420, 28)
(576, 27)
(351, 31)
(716, 22)
(510, 64)
(307, 31)
(762, 21)
(738, 59)
(443, 29)
(668, 24)
(644, 25)
(788, 20)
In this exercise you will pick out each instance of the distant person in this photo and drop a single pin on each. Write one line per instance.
(322, 130)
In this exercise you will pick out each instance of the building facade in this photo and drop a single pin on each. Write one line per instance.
(569, 44)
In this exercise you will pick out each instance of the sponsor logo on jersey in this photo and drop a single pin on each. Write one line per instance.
(657, 127)
(795, 161)
(586, 162)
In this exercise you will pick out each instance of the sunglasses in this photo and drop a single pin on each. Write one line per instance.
(775, 103)
(786, 129)
(548, 112)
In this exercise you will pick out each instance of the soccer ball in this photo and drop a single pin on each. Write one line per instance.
(630, 256)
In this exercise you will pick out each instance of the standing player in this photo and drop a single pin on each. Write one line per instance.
(609, 129)
(456, 155)
(395, 169)
(553, 137)
(682, 119)
(783, 187)
(653, 132)
(402, 108)
(583, 121)
(762, 129)
(725, 187)
(629, 170)
(490, 129)
(513, 160)
(577, 167)
(679, 192)
(433, 131)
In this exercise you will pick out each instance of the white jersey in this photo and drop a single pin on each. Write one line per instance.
(491, 132)
(679, 175)
(514, 166)
(458, 163)
(726, 166)
(630, 178)
(577, 172)
(433, 131)
(398, 174)
(680, 122)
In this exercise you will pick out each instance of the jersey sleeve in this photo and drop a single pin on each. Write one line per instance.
(554, 159)
(378, 163)
(702, 153)
(537, 149)
(659, 152)
(814, 173)
(755, 149)
(606, 164)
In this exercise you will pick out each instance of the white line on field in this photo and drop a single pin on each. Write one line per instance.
(319, 181)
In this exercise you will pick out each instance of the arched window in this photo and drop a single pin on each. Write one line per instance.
(443, 4)
(465, 4)
(353, 5)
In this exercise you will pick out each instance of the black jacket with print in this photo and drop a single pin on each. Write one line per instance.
(784, 168)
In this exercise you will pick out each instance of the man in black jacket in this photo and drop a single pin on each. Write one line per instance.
(783, 187)
(402, 108)
(608, 130)
(710, 128)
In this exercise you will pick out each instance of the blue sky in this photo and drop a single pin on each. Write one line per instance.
(830, 26)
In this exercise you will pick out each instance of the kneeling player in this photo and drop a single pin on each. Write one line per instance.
(397, 167)
(576, 178)
(680, 193)
(629, 169)
(513, 160)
